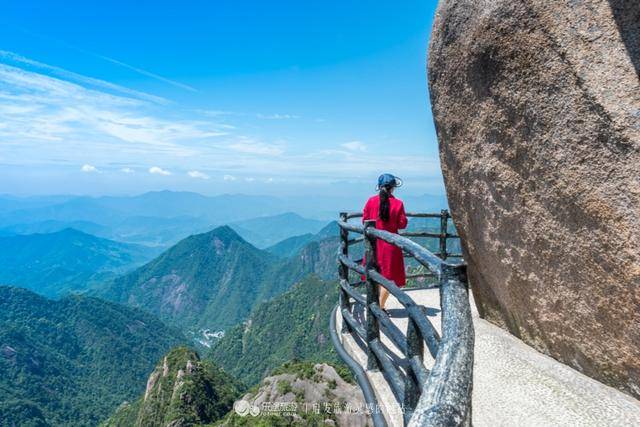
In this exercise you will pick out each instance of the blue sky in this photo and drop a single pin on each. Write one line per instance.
(259, 97)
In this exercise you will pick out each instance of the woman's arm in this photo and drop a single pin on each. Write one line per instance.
(402, 219)
(365, 211)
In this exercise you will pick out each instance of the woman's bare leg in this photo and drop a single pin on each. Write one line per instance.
(384, 294)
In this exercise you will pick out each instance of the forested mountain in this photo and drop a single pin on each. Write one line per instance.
(208, 281)
(266, 231)
(73, 361)
(182, 390)
(293, 325)
(212, 281)
(318, 257)
(69, 260)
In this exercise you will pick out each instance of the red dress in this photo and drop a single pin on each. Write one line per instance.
(390, 259)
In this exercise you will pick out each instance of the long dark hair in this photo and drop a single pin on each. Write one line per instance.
(383, 212)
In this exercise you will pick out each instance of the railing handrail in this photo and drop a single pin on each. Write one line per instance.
(430, 397)
(444, 235)
(446, 397)
(408, 214)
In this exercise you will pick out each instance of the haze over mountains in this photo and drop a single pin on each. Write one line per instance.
(266, 231)
(155, 218)
(65, 261)
(162, 218)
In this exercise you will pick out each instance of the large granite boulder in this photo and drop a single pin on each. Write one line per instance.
(537, 109)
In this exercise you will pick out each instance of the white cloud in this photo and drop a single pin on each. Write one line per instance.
(37, 107)
(74, 77)
(145, 73)
(88, 168)
(277, 116)
(158, 171)
(50, 117)
(216, 113)
(198, 174)
(150, 130)
(355, 146)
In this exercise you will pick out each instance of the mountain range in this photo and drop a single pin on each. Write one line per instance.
(162, 218)
(79, 359)
(158, 218)
(159, 204)
(69, 260)
(211, 281)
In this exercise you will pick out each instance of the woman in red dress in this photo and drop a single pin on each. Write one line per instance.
(390, 216)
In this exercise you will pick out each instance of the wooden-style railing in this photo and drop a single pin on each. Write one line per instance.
(442, 395)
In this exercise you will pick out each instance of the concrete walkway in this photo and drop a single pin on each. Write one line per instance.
(513, 384)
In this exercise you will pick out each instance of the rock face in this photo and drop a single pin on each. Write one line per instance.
(302, 394)
(537, 109)
(183, 390)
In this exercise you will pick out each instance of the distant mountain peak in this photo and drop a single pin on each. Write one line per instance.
(289, 215)
(226, 235)
(171, 192)
(207, 280)
(74, 231)
(222, 237)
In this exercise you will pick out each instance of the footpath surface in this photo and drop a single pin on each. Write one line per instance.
(513, 384)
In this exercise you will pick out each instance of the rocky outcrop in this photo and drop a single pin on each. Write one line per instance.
(302, 394)
(537, 109)
(183, 390)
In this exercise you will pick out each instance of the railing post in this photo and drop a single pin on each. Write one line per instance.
(343, 271)
(373, 295)
(444, 222)
(415, 349)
